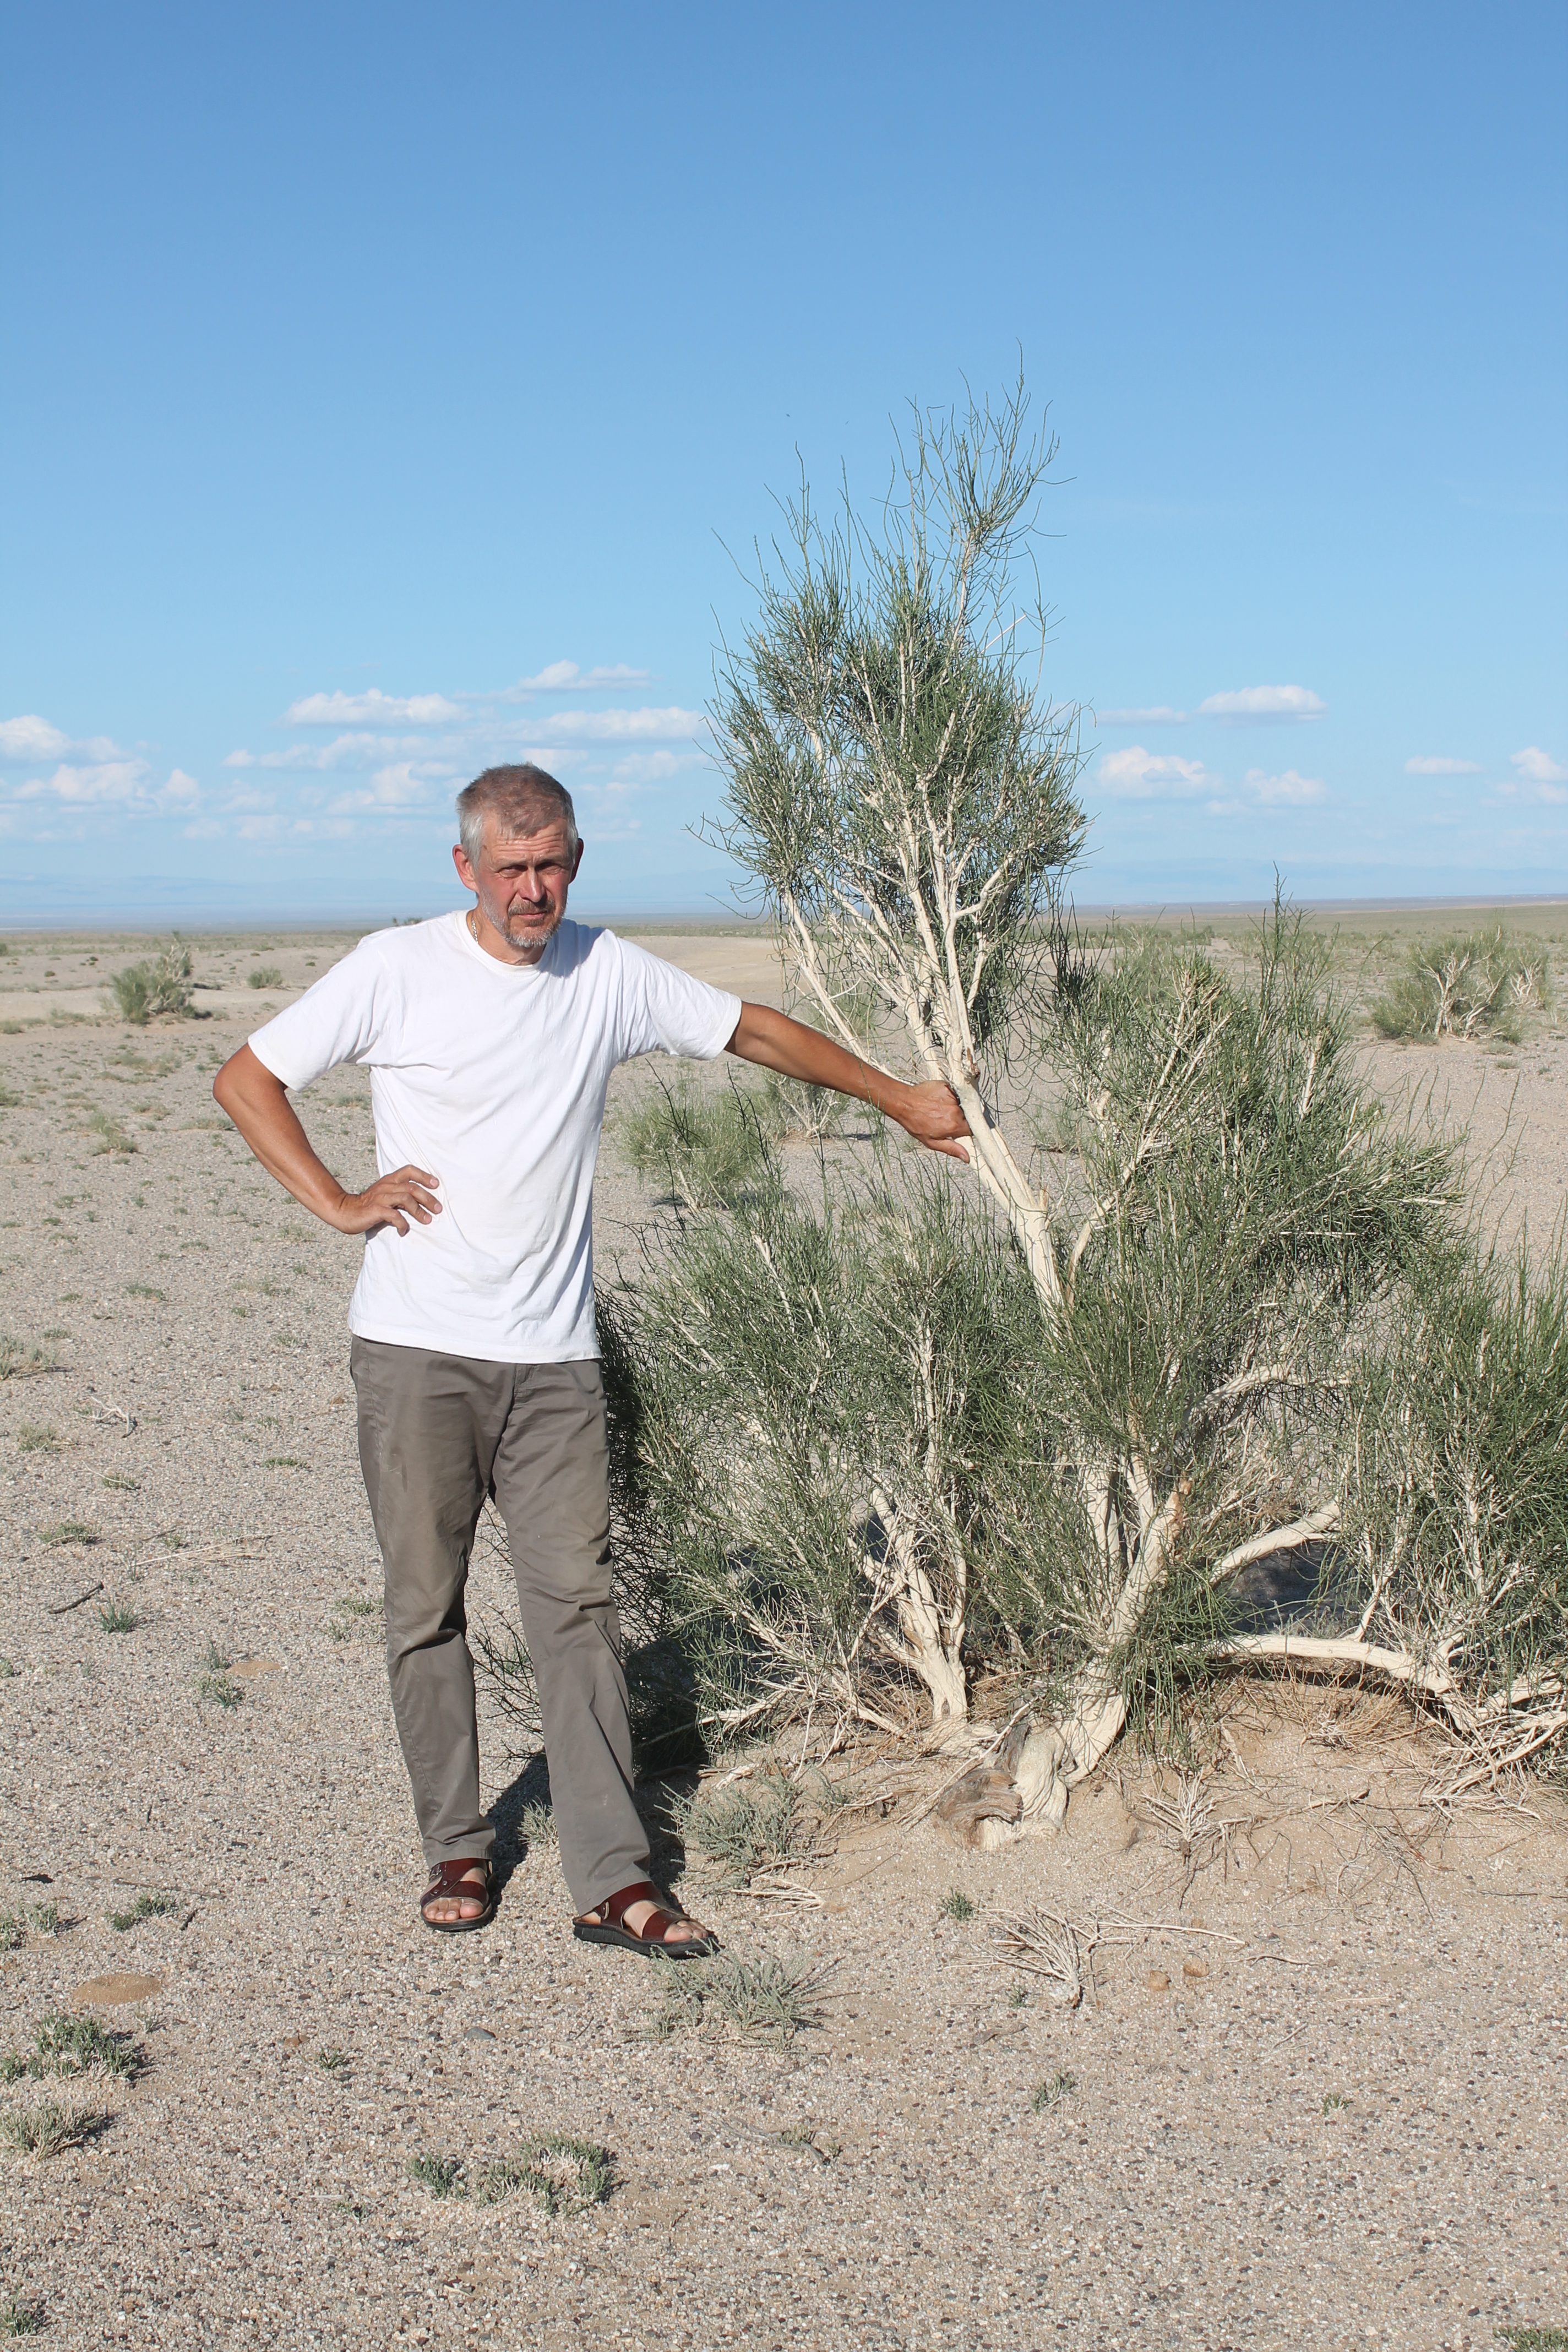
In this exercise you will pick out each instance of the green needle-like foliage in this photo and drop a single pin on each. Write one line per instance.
(885, 1423)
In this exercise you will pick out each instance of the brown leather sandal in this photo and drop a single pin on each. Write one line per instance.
(447, 1885)
(607, 1926)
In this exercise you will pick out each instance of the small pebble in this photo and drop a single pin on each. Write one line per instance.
(1195, 1968)
(1158, 1980)
(479, 2034)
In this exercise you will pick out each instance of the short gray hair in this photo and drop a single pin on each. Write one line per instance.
(521, 800)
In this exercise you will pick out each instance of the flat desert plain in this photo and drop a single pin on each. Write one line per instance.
(1313, 2093)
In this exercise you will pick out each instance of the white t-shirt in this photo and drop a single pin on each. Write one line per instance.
(492, 1076)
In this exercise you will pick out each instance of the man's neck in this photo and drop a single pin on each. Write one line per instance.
(495, 943)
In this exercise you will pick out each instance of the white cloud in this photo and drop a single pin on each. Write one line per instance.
(31, 738)
(1246, 703)
(1441, 768)
(239, 760)
(1263, 702)
(395, 787)
(105, 779)
(371, 709)
(1157, 714)
(1538, 767)
(181, 791)
(1287, 791)
(344, 751)
(1136, 774)
(672, 726)
(566, 677)
(639, 768)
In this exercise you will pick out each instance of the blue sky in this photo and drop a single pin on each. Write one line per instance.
(385, 385)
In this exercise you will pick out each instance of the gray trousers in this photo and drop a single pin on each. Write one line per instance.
(437, 1434)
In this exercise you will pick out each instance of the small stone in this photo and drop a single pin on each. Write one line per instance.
(115, 1992)
(1195, 1968)
(248, 1668)
(479, 2034)
(1158, 1980)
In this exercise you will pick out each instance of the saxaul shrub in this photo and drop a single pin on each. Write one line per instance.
(1479, 984)
(902, 1422)
(161, 984)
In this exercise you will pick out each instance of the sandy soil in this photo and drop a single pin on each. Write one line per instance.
(1338, 2121)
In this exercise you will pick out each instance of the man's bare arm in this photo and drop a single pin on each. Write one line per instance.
(929, 1112)
(259, 1107)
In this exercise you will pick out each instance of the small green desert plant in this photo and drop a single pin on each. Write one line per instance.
(765, 1997)
(162, 985)
(52, 2127)
(283, 1462)
(266, 975)
(957, 1905)
(19, 2318)
(332, 2062)
(13, 1929)
(44, 1918)
(354, 1624)
(441, 2175)
(64, 1532)
(146, 1906)
(1334, 2103)
(119, 1485)
(117, 1619)
(1048, 2094)
(1481, 983)
(33, 1440)
(1534, 2339)
(142, 1290)
(751, 1826)
(112, 1136)
(76, 2045)
(7, 1669)
(215, 1683)
(805, 2135)
(562, 2174)
(20, 1357)
(1018, 1997)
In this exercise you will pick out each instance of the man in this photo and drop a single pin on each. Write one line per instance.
(491, 1037)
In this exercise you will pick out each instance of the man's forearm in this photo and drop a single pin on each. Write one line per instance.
(931, 1112)
(777, 1043)
(259, 1107)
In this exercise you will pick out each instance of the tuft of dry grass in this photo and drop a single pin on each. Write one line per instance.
(52, 2127)
(562, 2174)
(757, 1998)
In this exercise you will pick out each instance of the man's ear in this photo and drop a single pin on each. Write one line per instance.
(577, 862)
(465, 871)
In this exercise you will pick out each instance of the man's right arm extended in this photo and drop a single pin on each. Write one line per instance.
(259, 1107)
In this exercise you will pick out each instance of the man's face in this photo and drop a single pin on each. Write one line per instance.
(521, 884)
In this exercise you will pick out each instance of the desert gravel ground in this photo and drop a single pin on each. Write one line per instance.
(1338, 2121)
